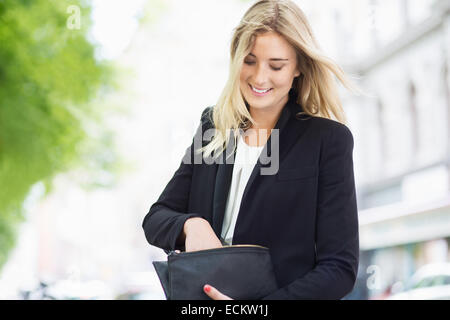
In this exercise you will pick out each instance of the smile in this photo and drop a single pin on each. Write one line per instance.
(258, 92)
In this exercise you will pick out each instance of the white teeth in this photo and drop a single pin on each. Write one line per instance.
(259, 91)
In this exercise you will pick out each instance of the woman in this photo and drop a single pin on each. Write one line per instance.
(280, 92)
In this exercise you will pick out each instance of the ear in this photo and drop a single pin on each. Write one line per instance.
(297, 73)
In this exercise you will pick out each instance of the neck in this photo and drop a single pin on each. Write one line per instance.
(266, 118)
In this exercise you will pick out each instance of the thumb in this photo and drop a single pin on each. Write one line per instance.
(214, 294)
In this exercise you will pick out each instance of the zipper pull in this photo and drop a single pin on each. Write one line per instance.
(173, 252)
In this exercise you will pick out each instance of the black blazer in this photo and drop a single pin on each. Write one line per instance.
(306, 214)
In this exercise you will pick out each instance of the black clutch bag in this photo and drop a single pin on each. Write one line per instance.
(242, 272)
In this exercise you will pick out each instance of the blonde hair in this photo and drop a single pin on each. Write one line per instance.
(316, 88)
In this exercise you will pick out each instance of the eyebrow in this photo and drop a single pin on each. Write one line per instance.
(272, 59)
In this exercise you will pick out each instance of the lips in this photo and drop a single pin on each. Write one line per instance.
(259, 94)
(263, 90)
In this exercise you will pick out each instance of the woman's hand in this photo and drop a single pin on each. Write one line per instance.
(199, 235)
(215, 294)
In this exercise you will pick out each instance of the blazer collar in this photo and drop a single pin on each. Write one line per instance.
(225, 171)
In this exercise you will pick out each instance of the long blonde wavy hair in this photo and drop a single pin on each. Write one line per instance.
(316, 87)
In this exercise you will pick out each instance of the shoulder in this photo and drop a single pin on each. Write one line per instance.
(207, 117)
(330, 130)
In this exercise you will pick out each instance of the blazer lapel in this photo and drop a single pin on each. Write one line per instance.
(222, 186)
(288, 135)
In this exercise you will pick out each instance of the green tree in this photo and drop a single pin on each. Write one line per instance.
(48, 78)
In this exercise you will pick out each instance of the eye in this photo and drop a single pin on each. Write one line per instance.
(252, 63)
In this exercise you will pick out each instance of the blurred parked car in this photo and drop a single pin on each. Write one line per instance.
(430, 282)
(67, 290)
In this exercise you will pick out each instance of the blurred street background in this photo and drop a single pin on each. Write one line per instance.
(99, 100)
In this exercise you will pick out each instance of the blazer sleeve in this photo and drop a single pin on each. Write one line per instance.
(165, 220)
(337, 235)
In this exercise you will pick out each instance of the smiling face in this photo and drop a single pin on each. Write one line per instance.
(270, 68)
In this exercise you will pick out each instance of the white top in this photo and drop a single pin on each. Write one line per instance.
(245, 160)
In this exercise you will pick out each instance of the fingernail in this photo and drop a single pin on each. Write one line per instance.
(207, 288)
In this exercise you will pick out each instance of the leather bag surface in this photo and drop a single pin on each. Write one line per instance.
(242, 272)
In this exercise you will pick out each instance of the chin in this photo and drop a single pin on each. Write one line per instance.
(260, 101)
(260, 105)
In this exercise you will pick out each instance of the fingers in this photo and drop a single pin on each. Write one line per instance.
(202, 245)
(200, 236)
(215, 294)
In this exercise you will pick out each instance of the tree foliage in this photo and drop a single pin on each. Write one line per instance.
(48, 76)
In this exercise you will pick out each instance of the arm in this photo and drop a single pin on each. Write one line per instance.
(164, 223)
(337, 239)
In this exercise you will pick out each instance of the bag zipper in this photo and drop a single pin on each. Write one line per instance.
(244, 245)
(173, 252)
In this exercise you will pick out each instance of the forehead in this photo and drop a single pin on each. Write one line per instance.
(272, 45)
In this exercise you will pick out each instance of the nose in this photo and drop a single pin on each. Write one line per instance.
(260, 77)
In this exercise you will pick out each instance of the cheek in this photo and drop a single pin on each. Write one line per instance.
(244, 74)
(282, 80)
